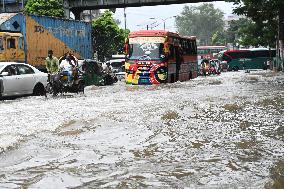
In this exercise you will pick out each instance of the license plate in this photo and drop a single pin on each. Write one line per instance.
(144, 80)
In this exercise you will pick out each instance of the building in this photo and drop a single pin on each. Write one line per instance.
(89, 15)
(11, 5)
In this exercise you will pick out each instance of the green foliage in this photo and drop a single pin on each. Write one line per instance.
(202, 21)
(45, 7)
(219, 38)
(262, 30)
(108, 37)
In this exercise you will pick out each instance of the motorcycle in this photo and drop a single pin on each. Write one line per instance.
(53, 86)
(59, 84)
(76, 85)
(109, 78)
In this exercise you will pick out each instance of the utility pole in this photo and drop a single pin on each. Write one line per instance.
(124, 18)
(281, 38)
(124, 15)
(3, 3)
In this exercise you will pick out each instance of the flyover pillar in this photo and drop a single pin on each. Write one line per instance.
(66, 9)
(280, 48)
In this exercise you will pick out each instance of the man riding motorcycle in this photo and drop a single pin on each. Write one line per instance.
(109, 76)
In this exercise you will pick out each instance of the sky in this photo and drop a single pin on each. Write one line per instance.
(139, 17)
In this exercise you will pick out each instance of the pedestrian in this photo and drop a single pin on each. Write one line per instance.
(51, 63)
(107, 69)
(268, 64)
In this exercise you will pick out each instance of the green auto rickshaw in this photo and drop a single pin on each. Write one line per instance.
(92, 72)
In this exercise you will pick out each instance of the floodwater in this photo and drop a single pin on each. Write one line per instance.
(208, 133)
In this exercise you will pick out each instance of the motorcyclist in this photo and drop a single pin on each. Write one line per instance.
(68, 66)
(205, 66)
(109, 76)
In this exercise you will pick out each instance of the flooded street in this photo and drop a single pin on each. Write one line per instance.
(222, 131)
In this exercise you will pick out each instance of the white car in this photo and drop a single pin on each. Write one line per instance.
(21, 79)
(118, 67)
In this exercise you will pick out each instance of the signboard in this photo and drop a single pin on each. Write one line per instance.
(141, 40)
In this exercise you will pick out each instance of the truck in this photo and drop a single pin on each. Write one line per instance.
(27, 38)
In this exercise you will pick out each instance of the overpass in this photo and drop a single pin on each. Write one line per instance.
(77, 6)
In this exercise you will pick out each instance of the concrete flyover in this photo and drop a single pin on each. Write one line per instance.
(77, 6)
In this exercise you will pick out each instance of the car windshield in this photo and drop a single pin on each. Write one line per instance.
(146, 51)
(1, 67)
(117, 64)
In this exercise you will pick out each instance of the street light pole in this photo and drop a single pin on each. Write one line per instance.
(164, 20)
(3, 2)
(124, 15)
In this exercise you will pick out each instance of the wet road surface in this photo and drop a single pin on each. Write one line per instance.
(216, 132)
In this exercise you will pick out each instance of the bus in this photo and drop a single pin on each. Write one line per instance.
(209, 52)
(255, 58)
(158, 56)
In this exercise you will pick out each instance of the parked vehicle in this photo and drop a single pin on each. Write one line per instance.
(92, 72)
(158, 56)
(18, 79)
(109, 78)
(244, 59)
(27, 38)
(224, 66)
(209, 52)
(117, 63)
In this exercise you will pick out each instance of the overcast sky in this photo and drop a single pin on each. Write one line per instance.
(139, 17)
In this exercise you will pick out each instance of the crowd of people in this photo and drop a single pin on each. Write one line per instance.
(210, 66)
(68, 65)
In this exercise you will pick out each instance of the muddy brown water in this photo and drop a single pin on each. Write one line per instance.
(216, 132)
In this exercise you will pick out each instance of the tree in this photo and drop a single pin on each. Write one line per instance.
(219, 38)
(108, 37)
(202, 21)
(237, 32)
(45, 7)
(264, 20)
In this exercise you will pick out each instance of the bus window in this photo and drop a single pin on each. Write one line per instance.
(172, 52)
(226, 57)
(11, 43)
(1, 44)
(149, 51)
(261, 53)
(193, 49)
(21, 43)
(239, 54)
